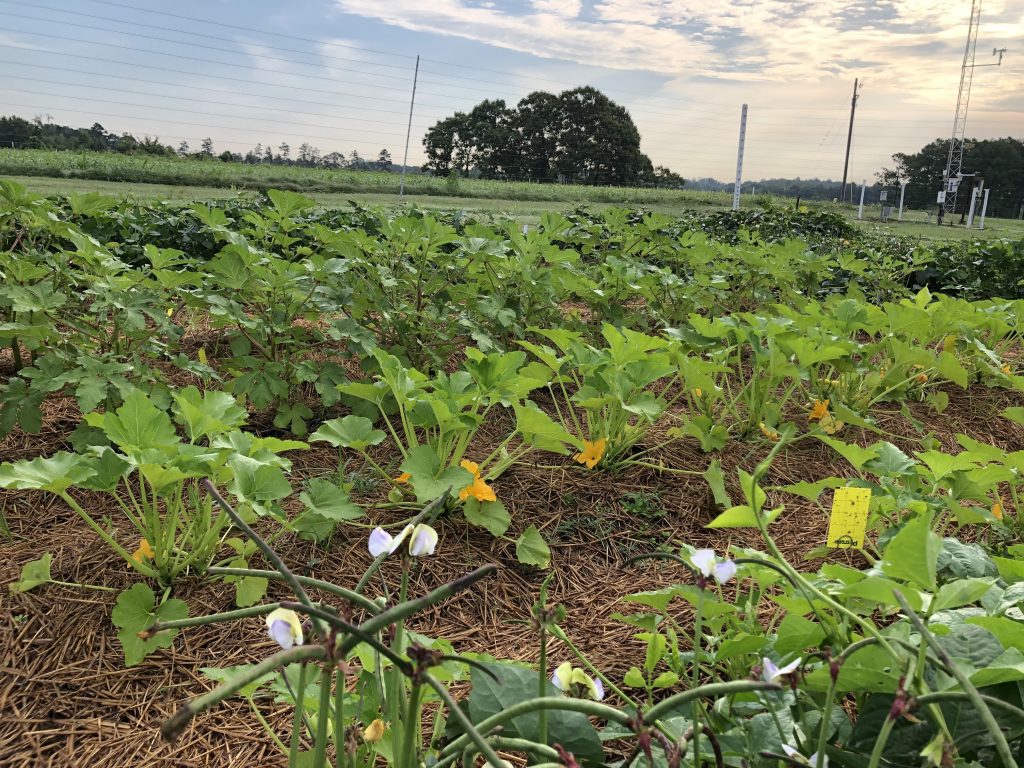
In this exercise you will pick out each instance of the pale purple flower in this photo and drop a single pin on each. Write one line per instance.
(284, 627)
(794, 754)
(423, 541)
(771, 673)
(705, 561)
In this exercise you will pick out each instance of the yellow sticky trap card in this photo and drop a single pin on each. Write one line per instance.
(849, 518)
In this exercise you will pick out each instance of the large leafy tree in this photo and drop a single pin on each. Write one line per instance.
(577, 136)
(999, 161)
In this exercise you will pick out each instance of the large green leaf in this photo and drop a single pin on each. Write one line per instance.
(353, 432)
(426, 477)
(54, 473)
(207, 413)
(913, 553)
(137, 425)
(516, 683)
(541, 431)
(331, 501)
(135, 611)
(491, 515)
(532, 549)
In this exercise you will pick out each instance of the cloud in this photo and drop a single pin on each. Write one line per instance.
(740, 40)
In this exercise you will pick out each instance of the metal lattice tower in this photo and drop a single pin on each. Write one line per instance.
(954, 165)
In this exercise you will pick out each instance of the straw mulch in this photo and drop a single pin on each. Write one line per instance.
(67, 700)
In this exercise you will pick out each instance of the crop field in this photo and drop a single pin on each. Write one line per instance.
(288, 483)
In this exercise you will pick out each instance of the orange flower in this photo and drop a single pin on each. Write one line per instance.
(768, 432)
(1006, 369)
(696, 392)
(479, 490)
(997, 510)
(403, 478)
(818, 411)
(144, 552)
(591, 453)
(921, 378)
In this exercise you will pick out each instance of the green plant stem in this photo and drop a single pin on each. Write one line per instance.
(408, 757)
(940, 696)
(698, 631)
(213, 618)
(561, 635)
(472, 733)
(82, 586)
(991, 724)
(266, 727)
(826, 722)
(361, 600)
(340, 751)
(880, 742)
(323, 716)
(300, 698)
(145, 570)
(267, 550)
(300, 653)
(542, 681)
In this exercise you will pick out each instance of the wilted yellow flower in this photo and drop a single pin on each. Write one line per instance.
(997, 510)
(374, 731)
(403, 478)
(921, 378)
(1006, 369)
(697, 392)
(818, 411)
(202, 355)
(768, 432)
(591, 453)
(144, 552)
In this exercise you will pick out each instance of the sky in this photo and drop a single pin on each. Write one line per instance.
(339, 73)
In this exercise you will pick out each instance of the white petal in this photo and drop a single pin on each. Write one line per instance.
(281, 633)
(725, 571)
(423, 541)
(397, 542)
(769, 672)
(380, 542)
(598, 689)
(790, 751)
(563, 676)
(813, 760)
(704, 560)
(789, 668)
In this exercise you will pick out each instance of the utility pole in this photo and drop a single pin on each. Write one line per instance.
(408, 130)
(739, 160)
(849, 140)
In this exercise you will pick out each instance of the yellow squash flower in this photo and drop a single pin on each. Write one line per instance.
(697, 392)
(591, 453)
(768, 432)
(1006, 369)
(403, 478)
(374, 731)
(921, 378)
(144, 552)
(997, 510)
(478, 489)
(818, 411)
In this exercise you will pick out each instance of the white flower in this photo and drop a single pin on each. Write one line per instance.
(284, 627)
(565, 677)
(705, 561)
(794, 754)
(423, 541)
(771, 673)
(381, 541)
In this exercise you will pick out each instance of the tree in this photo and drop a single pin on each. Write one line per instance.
(384, 160)
(206, 147)
(285, 150)
(334, 160)
(1000, 162)
(268, 155)
(577, 136)
(183, 149)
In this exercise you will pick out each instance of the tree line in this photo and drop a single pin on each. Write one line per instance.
(38, 133)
